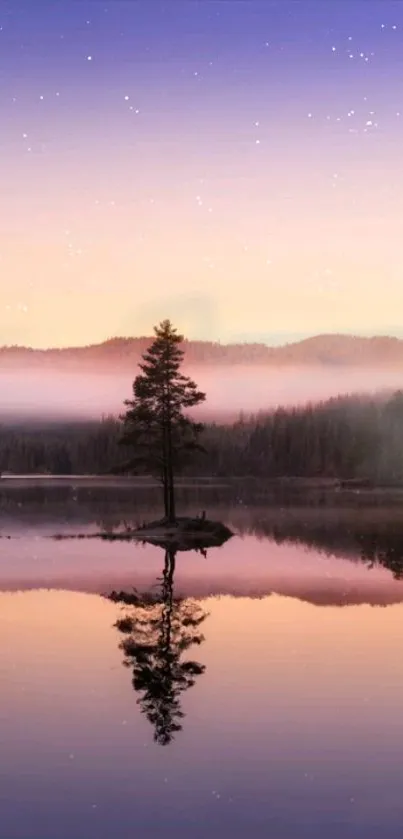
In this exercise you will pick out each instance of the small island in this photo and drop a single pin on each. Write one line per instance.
(184, 534)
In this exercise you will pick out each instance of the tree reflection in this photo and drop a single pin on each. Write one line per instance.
(385, 549)
(158, 630)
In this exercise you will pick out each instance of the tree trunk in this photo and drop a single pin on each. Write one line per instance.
(170, 474)
(166, 493)
(165, 475)
(172, 505)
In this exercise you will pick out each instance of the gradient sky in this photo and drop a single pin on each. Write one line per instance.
(236, 166)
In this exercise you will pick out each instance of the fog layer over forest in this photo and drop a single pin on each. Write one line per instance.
(50, 394)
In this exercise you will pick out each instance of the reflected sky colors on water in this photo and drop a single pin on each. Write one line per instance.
(292, 727)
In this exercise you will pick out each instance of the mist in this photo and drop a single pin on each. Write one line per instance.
(53, 395)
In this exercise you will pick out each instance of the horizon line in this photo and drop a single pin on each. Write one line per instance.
(299, 338)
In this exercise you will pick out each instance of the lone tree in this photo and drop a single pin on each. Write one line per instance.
(155, 426)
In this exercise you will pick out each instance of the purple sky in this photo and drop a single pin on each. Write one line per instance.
(235, 166)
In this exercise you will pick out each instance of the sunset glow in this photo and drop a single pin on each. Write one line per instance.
(235, 166)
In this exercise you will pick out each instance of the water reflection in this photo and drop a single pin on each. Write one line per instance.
(341, 555)
(376, 543)
(384, 549)
(158, 630)
(323, 761)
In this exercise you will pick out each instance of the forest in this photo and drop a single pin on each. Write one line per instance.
(356, 437)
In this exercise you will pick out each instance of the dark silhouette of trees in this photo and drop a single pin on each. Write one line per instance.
(158, 629)
(344, 533)
(155, 426)
(343, 438)
(383, 547)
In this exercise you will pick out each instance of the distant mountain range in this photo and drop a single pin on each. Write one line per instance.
(124, 353)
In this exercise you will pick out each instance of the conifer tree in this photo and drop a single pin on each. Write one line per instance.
(155, 424)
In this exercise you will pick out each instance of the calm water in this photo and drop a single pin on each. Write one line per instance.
(288, 720)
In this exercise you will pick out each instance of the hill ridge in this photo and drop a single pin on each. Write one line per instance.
(324, 349)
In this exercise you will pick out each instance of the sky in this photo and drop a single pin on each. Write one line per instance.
(235, 165)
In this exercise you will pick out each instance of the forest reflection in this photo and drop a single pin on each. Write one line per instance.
(361, 527)
(375, 543)
(158, 630)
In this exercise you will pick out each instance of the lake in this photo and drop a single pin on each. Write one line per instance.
(257, 688)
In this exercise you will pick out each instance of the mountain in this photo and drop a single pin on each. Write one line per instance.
(123, 354)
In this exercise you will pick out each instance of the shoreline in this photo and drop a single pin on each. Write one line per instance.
(284, 482)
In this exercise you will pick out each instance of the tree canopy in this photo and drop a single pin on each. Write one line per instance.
(155, 425)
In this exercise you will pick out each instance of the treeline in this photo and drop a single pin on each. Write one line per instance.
(87, 448)
(344, 437)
